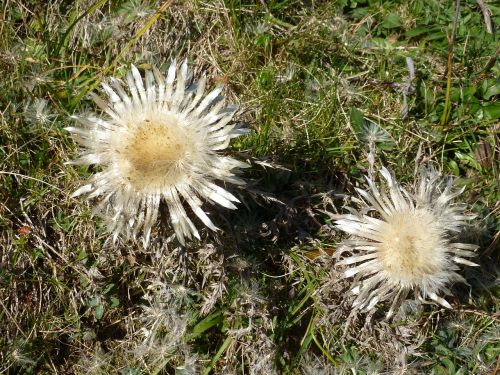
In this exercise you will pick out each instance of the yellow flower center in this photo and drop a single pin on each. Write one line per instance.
(151, 154)
(410, 247)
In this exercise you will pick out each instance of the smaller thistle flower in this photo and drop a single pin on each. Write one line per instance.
(374, 133)
(158, 145)
(37, 112)
(407, 244)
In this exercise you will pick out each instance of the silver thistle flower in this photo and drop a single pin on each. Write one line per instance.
(158, 143)
(38, 112)
(407, 244)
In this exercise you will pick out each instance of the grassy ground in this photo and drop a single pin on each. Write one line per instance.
(309, 77)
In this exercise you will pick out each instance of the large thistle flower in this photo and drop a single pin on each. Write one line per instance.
(402, 242)
(157, 143)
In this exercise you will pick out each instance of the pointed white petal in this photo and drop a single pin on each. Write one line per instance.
(83, 190)
(208, 100)
(356, 259)
(200, 90)
(465, 262)
(170, 80)
(139, 84)
(439, 300)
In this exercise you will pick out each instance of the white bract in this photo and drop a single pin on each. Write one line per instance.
(158, 142)
(402, 242)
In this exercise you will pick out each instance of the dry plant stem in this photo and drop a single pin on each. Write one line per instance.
(371, 159)
(495, 316)
(447, 105)
(33, 179)
(4, 14)
(486, 15)
(495, 245)
(408, 86)
(491, 61)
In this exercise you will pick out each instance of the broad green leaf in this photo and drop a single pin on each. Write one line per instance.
(392, 21)
(207, 323)
(114, 302)
(99, 311)
(492, 111)
(416, 32)
(357, 120)
(490, 88)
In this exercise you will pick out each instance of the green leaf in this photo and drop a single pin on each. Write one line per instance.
(219, 353)
(392, 21)
(357, 120)
(359, 13)
(452, 164)
(82, 256)
(108, 288)
(382, 43)
(114, 302)
(416, 32)
(449, 365)
(263, 40)
(265, 78)
(99, 311)
(490, 88)
(435, 36)
(207, 323)
(492, 352)
(492, 111)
